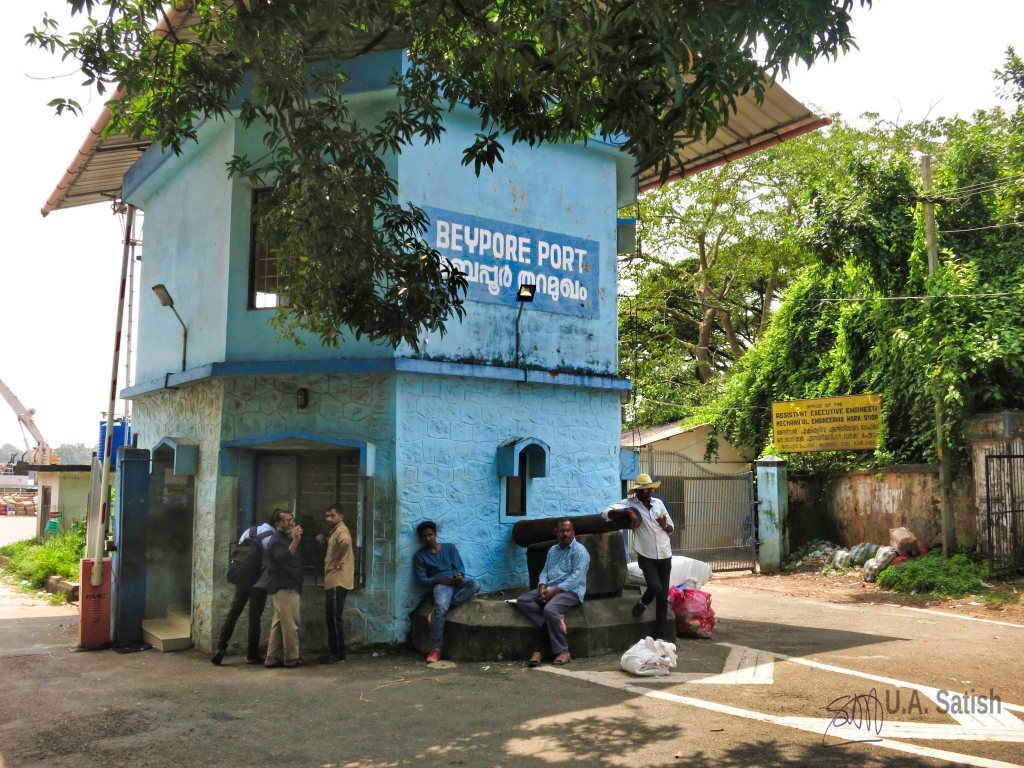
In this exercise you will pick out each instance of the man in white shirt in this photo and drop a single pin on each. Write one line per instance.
(652, 527)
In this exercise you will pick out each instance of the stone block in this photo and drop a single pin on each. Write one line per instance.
(607, 574)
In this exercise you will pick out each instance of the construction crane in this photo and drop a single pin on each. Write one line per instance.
(41, 454)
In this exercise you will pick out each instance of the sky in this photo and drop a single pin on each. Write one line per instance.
(59, 274)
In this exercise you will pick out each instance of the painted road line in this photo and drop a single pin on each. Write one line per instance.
(974, 712)
(744, 666)
(812, 725)
(962, 618)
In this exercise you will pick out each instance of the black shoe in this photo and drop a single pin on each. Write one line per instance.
(638, 608)
(255, 660)
(330, 659)
(217, 658)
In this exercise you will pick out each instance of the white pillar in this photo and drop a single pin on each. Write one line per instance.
(772, 511)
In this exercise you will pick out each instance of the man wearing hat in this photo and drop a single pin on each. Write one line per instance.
(651, 529)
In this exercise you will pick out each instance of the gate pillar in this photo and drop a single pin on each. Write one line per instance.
(772, 512)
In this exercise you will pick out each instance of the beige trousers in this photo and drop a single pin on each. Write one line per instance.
(284, 627)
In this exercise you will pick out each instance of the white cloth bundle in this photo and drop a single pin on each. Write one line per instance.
(650, 658)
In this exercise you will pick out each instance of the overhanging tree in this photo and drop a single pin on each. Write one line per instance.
(350, 253)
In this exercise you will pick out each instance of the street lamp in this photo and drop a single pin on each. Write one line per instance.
(525, 294)
(165, 300)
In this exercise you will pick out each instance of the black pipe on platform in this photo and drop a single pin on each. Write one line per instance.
(527, 532)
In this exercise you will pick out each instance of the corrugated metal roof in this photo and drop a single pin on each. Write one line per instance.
(778, 118)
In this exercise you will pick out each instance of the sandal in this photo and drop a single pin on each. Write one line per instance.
(562, 658)
(534, 659)
(299, 662)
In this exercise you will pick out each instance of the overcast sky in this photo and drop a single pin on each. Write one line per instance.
(917, 58)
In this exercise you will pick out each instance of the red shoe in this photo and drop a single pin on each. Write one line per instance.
(434, 655)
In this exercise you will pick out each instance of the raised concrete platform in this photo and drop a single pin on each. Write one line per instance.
(487, 628)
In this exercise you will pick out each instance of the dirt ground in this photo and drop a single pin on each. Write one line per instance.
(850, 587)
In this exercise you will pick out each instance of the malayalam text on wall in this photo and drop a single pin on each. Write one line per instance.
(497, 257)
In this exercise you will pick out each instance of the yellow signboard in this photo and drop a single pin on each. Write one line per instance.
(830, 424)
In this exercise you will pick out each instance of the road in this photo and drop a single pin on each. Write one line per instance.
(780, 672)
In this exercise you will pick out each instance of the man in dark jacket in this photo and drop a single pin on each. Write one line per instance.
(283, 579)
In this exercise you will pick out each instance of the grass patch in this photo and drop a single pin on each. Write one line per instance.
(59, 555)
(933, 574)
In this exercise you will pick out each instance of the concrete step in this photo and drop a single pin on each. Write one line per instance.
(170, 633)
(180, 612)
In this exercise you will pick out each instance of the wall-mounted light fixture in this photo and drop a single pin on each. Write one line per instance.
(302, 397)
(165, 300)
(525, 294)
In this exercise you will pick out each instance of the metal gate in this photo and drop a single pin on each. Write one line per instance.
(715, 514)
(1004, 510)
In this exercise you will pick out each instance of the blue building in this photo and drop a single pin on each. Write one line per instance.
(515, 413)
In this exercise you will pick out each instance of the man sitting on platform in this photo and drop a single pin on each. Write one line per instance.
(440, 567)
(561, 586)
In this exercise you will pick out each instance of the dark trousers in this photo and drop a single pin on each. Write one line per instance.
(257, 601)
(549, 616)
(334, 604)
(657, 573)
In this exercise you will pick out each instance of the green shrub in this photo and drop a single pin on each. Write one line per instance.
(934, 574)
(59, 555)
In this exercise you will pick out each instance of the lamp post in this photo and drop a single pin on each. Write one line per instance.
(165, 299)
(525, 294)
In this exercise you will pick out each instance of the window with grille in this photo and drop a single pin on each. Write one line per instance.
(263, 276)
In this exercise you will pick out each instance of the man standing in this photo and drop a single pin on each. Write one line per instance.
(339, 576)
(284, 586)
(247, 591)
(653, 547)
(439, 567)
(561, 586)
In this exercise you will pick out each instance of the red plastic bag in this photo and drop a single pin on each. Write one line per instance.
(694, 615)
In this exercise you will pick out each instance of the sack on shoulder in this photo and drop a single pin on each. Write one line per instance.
(247, 559)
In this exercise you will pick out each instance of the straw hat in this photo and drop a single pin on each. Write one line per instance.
(643, 481)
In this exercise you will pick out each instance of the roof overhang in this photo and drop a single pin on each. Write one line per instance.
(96, 172)
(778, 118)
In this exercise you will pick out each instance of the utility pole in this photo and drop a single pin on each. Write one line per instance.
(945, 473)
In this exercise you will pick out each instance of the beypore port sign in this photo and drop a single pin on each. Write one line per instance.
(848, 423)
(497, 257)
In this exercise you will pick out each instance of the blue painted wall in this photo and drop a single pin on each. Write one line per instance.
(448, 432)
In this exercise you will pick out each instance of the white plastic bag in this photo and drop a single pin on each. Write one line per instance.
(687, 569)
(650, 658)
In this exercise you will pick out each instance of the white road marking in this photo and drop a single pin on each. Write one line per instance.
(962, 618)
(813, 725)
(744, 666)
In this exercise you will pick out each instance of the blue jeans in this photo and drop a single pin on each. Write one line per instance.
(446, 598)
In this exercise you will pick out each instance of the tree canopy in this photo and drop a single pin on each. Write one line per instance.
(860, 313)
(350, 252)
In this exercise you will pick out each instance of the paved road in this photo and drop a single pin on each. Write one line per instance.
(756, 695)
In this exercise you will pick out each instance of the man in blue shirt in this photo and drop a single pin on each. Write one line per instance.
(439, 567)
(561, 586)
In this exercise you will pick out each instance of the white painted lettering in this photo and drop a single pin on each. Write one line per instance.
(524, 250)
(456, 237)
(442, 233)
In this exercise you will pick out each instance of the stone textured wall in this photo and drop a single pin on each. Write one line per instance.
(354, 408)
(194, 412)
(449, 431)
(854, 507)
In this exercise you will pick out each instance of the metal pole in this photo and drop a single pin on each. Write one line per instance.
(945, 474)
(128, 338)
(97, 554)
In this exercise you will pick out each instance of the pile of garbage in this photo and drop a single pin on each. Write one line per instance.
(818, 554)
(875, 558)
